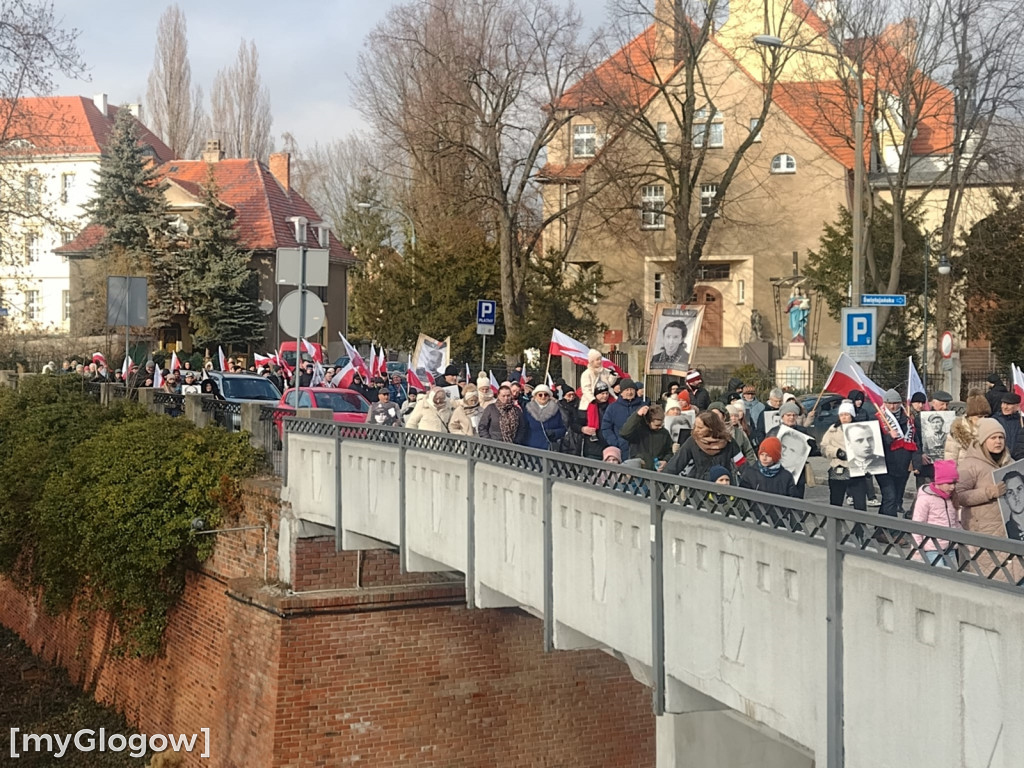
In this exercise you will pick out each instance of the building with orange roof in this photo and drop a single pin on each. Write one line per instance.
(50, 159)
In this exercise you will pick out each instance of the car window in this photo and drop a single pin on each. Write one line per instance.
(248, 388)
(342, 402)
(289, 398)
(305, 401)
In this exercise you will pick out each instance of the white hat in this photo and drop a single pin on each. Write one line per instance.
(542, 389)
(847, 407)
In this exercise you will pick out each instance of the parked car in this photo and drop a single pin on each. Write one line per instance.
(349, 406)
(288, 353)
(396, 366)
(827, 413)
(242, 388)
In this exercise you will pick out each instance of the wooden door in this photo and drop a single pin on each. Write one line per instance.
(711, 328)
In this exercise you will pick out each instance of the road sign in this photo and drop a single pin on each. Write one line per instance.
(946, 345)
(486, 314)
(288, 314)
(883, 299)
(859, 333)
(289, 266)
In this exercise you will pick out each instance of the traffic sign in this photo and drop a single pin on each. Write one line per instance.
(486, 315)
(289, 314)
(859, 340)
(946, 345)
(883, 299)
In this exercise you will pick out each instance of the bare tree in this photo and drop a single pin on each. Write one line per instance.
(175, 108)
(240, 107)
(464, 88)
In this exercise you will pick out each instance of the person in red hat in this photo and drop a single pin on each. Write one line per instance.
(768, 474)
(699, 397)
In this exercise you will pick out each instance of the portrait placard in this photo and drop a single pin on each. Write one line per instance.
(865, 453)
(1011, 503)
(935, 427)
(796, 447)
(673, 339)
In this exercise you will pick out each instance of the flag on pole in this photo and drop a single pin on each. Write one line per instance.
(285, 368)
(1017, 379)
(469, 378)
(373, 361)
(223, 360)
(549, 381)
(847, 375)
(126, 368)
(412, 379)
(158, 377)
(175, 365)
(382, 363)
(566, 346)
(914, 383)
(494, 383)
(343, 378)
(355, 357)
(317, 379)
(522, 377)
(99, 359)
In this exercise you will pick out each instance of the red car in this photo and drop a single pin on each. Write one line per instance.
(349, 406)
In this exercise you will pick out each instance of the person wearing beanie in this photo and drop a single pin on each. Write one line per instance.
(768, 475)
(590, 420)
(899, 443)
(977, 492)
(612, 455)
(789, 416)
(618, 413)
(699, 397)
(996, 390)
(719, 475)
(466, 415)
(936, 504)
(594, 373)
(833, 448)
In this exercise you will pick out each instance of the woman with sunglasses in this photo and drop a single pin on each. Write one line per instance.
(545, 426)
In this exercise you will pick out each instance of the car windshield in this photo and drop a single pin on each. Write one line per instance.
(248, 388)
(342, 402)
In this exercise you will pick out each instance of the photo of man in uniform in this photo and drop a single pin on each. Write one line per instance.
(934, 430)
(673, 350)
(672, 341)
(1011, 503)
(864, 450)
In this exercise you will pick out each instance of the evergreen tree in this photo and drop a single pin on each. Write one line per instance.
(219, 288)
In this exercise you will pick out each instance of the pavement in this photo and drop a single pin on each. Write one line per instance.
(819, 492)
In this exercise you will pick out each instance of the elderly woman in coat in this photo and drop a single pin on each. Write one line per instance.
(466, 416)
(545, 426)
(432, 413)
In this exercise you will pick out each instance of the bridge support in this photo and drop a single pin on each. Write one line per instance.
(723, 739)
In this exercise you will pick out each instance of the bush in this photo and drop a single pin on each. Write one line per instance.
(100, 502)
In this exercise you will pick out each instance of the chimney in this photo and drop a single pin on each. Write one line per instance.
(100, 100)
(212, 153)
(280, 167)
(136, 110)
(669, 25)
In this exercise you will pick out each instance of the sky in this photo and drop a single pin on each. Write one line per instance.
(308, 51)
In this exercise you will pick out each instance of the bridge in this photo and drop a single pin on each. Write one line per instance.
(771, 631)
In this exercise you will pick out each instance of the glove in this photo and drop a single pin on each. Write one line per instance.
(841, 454)
(997, 490)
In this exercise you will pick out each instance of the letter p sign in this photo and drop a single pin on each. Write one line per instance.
(859, 333)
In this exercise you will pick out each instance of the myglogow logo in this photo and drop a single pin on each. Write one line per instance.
(88, 740)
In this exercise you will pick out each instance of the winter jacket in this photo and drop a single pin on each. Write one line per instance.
(744, 443)
(781, 485)
(543, 430)
(897, 458)
(995, 398)
(593, 445)
(1011, 424)
(976, 492)
(645, 443)
(384, 414)
(832, 442)
(428, 418)
(490, 426)
(691, 461)
(614, 420)
(932, 509)
(465, 422)
(754, 411)
(588, 380)
(700, 399)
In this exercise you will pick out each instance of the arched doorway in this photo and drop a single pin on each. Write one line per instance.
(711, 327)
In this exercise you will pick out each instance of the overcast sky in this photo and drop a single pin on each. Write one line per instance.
(308, 51)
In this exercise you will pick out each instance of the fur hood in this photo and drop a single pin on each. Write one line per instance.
(963, 431)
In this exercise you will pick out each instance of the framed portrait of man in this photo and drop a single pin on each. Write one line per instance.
(673, 339)
(772, 419)
(680, 421)
(934, 431)
(865, 453)
(796, 447)
(430, 354)
(1011, 503)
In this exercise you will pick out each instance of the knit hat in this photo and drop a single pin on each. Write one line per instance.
(718, 405)
(773, 447)
(541, 389)
(683, 397)
(611, 452)
(483, 381)
(451, 370)
(601, 386)
(718, 471)
(847, 407)
(946, 472)
(736, 409)
(788, 397)
(892, 396)
(993, 378)
(670, 403)
(624, 385)
(789, 408)
(694, 379)
(856, 394)
(918, 397)
(987, 427)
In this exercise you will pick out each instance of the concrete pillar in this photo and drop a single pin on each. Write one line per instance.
(147, 399)
(250, 422)
(194, 410)
(106, 392)
(723, 739)
(320, 414)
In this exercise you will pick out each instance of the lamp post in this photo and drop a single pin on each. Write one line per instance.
(857, 268)
(944, 269)
(366, 206)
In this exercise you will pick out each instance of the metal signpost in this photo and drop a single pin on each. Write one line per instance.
(301, 312)
(486, 314)
(858, 324)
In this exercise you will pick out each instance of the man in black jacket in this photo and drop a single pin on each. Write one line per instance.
(996, 390)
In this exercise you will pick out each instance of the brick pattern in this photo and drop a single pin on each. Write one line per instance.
(319, 566)
(239, 554)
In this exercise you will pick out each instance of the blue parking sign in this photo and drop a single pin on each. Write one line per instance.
(486, 311)
(859, 325)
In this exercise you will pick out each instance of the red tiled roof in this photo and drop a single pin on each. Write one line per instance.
(262, 206)
(70, 125)
(628, 76)
(86, 240)
(821, 109)
(564, 171)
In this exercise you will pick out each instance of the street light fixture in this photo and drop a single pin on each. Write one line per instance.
(857, 272)
(366, 206)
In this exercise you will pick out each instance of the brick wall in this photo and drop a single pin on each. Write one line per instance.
(239, 554)
(319, 566)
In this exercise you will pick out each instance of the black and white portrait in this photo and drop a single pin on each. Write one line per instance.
(934, 431)
(677, 423)
(1011, 503)
(796, 447)
(673, 339)
(430, 354)
(772, 419)
(865, 454)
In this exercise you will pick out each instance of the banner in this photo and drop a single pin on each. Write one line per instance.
(673, 339)
(914, 383)
(430, 354)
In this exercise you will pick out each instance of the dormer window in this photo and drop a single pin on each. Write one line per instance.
(584, 141)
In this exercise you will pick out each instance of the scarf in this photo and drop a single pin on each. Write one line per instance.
(771, 471)
(541, 412)
(939, 492)
(712, 446)
(509, 418)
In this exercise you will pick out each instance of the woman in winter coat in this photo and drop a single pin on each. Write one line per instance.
(936, 504)
(833, 448)
(648, 439)
(711, 443)
(466, 416)
(963, 431)
(740, 431)
(545, 426)
(432, 414)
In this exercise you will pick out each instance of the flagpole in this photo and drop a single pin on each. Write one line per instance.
(825, 386)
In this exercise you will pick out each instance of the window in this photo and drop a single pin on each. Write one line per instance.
(662, 131)
(584, 141)
(741, 291)
(33, 189)
(66, 237)
(659, 292)
(754, 129)
(700, 126)
(67, 184)
(783, 164)
(33, 247)
(713, 272)
(707, 197)
(32, 305)
(65, 297)
(652, 207)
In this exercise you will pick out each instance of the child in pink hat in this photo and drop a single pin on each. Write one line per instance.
(936, 505)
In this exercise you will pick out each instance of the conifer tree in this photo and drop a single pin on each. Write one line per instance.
(220, 289)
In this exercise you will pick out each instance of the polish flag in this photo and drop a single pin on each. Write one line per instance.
(355, 357)
(99, 359)
(158, 377)
(548, 380)
(175, 365)
(373, 361)
(126, 368)
(285, 368)
(847, 375)
(914, 383)
(343, 378)
(382, 363)
(1017, 379)
(430, 377)
(566, 346)
(522, 377)
(223, 360)
(739, 460)
(262, 359)
(494, 383)
(317, 379)
(414, 381)
(469, 378)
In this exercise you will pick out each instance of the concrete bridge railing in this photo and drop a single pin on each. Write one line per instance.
(823, 627)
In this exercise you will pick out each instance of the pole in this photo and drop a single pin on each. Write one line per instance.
(483, 353)
(302, 307)
(856, 274)
(924, 331)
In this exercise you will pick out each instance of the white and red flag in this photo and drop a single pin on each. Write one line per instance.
(494, 383)
(1017, 379)
(175, 364)
(99, 359)
(158, 377)
(355, 357)
(566, 346)
(343, 378)
(126, 368)
(846, 375)
(914, 383)
(222, 359)
(382, 363)
(374, 369)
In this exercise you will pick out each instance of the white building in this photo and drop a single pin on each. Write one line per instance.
(49, 163)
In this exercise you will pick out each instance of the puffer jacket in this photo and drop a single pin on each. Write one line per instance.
(832, 442)
(976, 491)
(428, 417)
(962, 434)
(614, 420)
(932, 509)
(462, 419)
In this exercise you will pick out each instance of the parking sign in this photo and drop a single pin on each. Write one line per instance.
(486, 313)
(859, 340)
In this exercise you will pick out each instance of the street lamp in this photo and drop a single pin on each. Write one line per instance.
(944, 269)
(366, 206)
(856, 273)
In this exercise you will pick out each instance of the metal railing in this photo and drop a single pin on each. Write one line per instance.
(173, 405)
(225, 414)
(271, 430)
